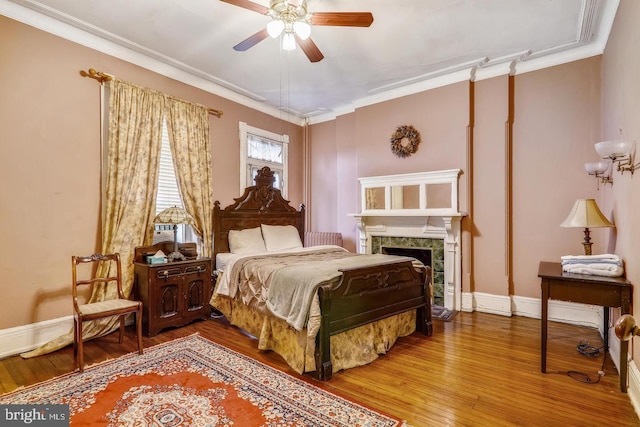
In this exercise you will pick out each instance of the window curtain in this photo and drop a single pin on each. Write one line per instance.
(133, 151)
(188, 128)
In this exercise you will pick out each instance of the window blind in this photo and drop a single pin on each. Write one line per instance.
(168, 193)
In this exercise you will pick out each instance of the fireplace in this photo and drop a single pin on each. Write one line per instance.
(428, 251)
(416, 214)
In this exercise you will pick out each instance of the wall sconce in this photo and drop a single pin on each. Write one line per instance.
(620, 152)
(598, 169)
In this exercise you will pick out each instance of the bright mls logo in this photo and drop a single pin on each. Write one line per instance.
(34, 415)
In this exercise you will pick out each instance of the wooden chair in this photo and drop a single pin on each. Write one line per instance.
(120, 306)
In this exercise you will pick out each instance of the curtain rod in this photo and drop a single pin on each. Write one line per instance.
(104, 77)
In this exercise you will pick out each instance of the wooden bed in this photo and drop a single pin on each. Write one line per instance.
(363, 296)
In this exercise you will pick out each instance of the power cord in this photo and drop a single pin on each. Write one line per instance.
(588, 350)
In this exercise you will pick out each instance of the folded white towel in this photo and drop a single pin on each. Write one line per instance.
(591, 261)
(612, 257)
(595, 266)
(594, 269)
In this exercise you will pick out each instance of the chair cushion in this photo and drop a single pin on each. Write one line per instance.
(109, 305)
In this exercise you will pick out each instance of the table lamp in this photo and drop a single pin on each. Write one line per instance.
(586, 214)
(174, 215)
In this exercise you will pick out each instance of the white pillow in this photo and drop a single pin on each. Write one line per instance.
(247, 241)
(281, 237)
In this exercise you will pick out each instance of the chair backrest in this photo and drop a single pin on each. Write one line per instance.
(94, 260)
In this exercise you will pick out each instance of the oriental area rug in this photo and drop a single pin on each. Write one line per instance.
(194, 382)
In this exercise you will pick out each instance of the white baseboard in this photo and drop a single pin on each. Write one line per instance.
(634, 387)
(493, 304)
(591, 316)
(559, 311)
(24, 338)
(467, 302)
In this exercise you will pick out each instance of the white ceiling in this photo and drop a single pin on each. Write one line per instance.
(412, 45)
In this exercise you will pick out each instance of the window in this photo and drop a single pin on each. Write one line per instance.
(169, 195)
(259, 148)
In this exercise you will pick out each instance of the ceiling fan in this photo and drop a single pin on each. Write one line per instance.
(291, 19)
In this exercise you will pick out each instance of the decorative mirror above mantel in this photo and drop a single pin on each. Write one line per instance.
(414, 194)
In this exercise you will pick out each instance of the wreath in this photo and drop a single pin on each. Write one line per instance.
(405, 141)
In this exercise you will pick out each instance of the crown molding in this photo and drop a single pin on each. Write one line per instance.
(584, 46)
(68, 28)
(589, 42)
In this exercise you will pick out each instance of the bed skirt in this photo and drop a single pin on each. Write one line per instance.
(349, 349)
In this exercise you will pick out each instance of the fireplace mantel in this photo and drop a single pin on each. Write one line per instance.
(422, 205)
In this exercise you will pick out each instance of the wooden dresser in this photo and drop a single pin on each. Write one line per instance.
(172, 294)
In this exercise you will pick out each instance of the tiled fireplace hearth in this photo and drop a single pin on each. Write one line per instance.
(416, 211)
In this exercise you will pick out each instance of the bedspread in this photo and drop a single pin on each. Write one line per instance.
(285, 284)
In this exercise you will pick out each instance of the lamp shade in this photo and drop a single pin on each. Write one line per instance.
(594, 168)
(275, 27)
(302, 29)
(586, 214)
(173, 215)
(288, 42)
(613, 149)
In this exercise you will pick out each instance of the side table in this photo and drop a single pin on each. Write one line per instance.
(585, 289)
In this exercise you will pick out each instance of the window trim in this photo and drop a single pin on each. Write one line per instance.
(246, 129)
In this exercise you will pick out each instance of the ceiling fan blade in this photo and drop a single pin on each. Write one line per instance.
(310, 49)
(246, 4)
(252, 40)
(342, 19)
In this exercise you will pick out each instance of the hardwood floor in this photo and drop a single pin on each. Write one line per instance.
(477, 370)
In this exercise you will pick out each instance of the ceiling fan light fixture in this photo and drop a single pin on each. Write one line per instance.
(288, 41)
(292, 22)
(275, 27)
(302, 29)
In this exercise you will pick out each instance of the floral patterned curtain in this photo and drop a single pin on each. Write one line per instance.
(133, 150)
(188, 127)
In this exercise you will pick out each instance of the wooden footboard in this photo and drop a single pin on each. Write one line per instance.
(365, 295)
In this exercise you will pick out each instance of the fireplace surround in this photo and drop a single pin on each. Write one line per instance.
(417, 210)
(429, 251)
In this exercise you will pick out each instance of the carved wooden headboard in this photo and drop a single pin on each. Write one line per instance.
(260, 204)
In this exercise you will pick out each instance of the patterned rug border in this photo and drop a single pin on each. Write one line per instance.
(96, 365)
(220, 364)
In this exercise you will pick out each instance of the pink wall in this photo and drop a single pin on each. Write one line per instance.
(363, 149)
(347, 178)
(556, 119)
(441, 117)
(620, 112)
(50, 162)
(489, 259)
(324, 176)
